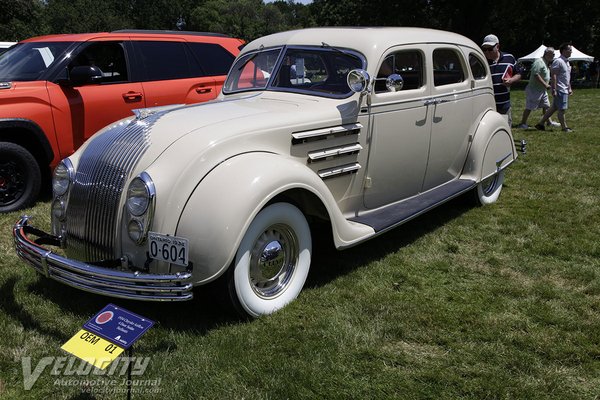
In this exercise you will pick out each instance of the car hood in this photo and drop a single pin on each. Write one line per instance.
(186, 143)
(259, 122)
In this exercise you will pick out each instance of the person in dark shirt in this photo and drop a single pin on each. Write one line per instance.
(505, 72)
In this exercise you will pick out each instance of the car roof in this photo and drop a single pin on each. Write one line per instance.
(131, 34)
(370, 41)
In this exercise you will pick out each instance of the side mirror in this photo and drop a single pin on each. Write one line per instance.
(83, 75)
(394, 83)
(358, 80)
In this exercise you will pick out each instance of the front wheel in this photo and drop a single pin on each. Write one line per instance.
(20, 177)
(488, 190)
(272, 262)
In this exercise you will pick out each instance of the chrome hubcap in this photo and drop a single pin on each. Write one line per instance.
(273, 260)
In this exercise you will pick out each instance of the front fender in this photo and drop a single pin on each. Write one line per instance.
(225, 202)
(492, 149)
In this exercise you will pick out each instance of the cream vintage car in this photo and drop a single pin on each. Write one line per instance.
(365, 128)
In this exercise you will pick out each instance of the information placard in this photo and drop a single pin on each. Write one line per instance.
(119, 326)
(92, 349)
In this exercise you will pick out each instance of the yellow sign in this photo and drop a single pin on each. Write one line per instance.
(93, 349)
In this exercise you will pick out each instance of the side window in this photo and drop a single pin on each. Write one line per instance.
(214, 59)
(166, 60)
(407, 63)
(108, 56)
(477, 67)
(447, 67)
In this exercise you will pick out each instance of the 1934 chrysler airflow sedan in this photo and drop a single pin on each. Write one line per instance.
(365, 128)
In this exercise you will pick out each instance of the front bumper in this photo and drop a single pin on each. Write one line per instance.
(94, 279)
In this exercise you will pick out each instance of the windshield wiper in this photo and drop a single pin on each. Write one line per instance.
(323, 44)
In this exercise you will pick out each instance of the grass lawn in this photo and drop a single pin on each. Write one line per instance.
(494, 302)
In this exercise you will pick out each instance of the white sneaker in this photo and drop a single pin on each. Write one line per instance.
(523, 126)
(553, 124)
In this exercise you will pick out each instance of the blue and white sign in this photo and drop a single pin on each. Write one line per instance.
(118, 325)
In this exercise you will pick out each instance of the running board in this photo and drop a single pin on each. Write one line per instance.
(406, 210)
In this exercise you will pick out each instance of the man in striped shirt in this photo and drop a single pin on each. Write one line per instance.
(505, 73)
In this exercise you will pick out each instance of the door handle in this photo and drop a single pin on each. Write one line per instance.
(203, 90)
(132, 96)
(429, 102)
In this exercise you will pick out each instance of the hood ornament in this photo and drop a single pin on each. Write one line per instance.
(143, 113)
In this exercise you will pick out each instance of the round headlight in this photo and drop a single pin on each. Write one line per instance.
(135, 229)
(138, 197)
(58, 209)
(62, 178)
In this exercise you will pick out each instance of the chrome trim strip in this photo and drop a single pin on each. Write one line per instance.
(327, 131)
(93, 279)
(501, 160)
(334, 151)
(342, 169)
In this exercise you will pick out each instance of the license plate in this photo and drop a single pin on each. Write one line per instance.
(171, 249)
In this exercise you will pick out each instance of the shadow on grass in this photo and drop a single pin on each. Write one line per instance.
(210, 307)
(10, 307)
(329, 263)
(207, 310)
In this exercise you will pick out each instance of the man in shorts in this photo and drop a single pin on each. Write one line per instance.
(535, 91)
(561, 88)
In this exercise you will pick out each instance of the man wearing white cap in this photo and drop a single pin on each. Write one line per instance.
(505, 72)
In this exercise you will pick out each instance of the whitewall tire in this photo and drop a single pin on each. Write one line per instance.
(489, 189)
(272, 262)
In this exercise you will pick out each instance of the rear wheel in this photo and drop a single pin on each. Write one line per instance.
(272, 262)
(488, 190)
(20, 177)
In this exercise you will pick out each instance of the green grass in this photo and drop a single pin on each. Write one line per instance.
(493, 302)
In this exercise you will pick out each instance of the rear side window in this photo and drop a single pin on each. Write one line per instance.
(166, 60)
(477, 67)
(447, 67)
(214, 59)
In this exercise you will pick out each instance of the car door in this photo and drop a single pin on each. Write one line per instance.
(171, 75)
(85, 109)
(399, 129)
(451, 106)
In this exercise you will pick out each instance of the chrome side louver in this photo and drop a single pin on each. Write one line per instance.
(330, 151)
(334, 151)
(326, 133)
(343, 169)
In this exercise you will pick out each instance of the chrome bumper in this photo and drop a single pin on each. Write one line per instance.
(109, 282)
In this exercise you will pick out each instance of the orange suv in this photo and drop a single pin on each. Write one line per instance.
(56, 91)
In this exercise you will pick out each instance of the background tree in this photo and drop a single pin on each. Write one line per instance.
(75, 16)
(521, 26)
(20, 19)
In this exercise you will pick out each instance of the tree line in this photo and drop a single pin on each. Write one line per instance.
(521, 25)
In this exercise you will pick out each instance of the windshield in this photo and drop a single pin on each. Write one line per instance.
(252, 71)
(318, 71)
(28, 61)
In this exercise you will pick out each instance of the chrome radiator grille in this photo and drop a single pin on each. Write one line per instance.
(93, 209)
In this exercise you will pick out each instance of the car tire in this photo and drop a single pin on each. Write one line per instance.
(20, 177)
(272, 261)
(488, 190)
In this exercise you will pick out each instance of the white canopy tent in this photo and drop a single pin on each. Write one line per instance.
(6, 45)
(539, 52)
